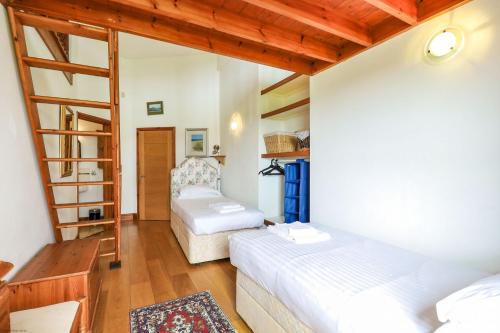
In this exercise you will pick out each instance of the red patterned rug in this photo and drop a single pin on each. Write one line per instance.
(198, 313)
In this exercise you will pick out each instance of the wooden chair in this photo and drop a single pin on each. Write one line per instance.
(63, 317)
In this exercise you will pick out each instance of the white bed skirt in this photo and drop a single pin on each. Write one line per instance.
(263, 312)
(200, 248)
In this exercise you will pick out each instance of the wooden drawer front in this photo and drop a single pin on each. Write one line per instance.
(38, 294)
(94, 286)
(4, 309)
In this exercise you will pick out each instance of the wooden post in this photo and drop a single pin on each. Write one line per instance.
(114, 145)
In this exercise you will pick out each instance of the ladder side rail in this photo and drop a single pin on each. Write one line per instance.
(21, 51)
(113, 116)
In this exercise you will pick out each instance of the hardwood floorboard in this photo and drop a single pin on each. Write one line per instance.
(154, 269)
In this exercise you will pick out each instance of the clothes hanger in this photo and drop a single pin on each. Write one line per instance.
(273, 170)
(267, 168)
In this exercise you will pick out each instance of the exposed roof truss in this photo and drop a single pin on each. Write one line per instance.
(303, 36)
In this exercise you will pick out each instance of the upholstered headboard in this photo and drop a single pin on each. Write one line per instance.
(193, 171)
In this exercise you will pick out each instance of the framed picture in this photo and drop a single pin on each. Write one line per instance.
(196, 142)
(66, 123)
(155, 108)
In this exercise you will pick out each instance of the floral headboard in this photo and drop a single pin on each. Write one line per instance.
(193, 171)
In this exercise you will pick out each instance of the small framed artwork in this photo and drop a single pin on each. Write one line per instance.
(66, 123)
(155, 108)
(196, 142)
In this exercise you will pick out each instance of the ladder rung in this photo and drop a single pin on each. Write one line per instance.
(85, 223)
(79, 133)
(109, 182)
(83, 204)
(76, 159)
(62, 26)
(107, 254)
(65, 66)
(70, 101)
(105, 238)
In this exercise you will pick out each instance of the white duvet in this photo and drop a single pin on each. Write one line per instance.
(349, 284)
(204, 220)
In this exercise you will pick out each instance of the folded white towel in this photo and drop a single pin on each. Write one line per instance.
(229, 210)
(299, 233)
(320, 237)
(225, 205)
(302, 231)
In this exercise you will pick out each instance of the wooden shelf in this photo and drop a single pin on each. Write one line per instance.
(292, 154)
(280, 83)
(287, 108)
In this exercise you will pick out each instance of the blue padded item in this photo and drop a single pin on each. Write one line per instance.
(296, 200)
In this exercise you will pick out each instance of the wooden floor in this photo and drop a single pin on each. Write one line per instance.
(155, 270)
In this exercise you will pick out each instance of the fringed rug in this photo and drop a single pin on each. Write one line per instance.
(198, 313)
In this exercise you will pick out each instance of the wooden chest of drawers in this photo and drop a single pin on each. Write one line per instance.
(67, 271)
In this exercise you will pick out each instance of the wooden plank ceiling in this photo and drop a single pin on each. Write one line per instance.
(304, 36)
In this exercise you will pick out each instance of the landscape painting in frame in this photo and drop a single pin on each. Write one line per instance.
(196, 142)
(155, 108)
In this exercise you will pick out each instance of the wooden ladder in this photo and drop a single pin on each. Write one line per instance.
(17, 21)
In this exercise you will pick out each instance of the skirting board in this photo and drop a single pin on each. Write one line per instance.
(129, 218)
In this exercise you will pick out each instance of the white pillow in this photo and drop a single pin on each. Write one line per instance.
(477, 304)
(198, 191)
(467, 328)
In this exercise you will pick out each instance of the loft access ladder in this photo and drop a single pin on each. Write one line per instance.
(17, 21)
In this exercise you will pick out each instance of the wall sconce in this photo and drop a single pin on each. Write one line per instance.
(444, 45)
(235, 124)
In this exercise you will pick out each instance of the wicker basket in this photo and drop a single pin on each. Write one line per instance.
(280, 142)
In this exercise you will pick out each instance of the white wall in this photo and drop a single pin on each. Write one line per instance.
(189, 89)
(239, 94)
(53, 83)
(25, 224)
(408, 152)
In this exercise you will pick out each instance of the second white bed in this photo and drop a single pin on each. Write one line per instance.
(349, 284)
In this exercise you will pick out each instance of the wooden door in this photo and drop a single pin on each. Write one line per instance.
(155, 159)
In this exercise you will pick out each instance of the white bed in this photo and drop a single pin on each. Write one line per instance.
(203, 220)
(201, 231)
(349, 284)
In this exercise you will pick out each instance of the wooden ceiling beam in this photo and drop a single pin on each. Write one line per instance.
(405, 10)
(429, 9)
(225, 21)
(319, 18)
(152, 26)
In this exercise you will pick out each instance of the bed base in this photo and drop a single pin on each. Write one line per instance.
(200, 248)
(263, 312)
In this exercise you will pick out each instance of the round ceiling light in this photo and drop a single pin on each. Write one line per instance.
(444, 45)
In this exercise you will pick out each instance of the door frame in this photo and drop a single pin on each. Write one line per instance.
(106, 169)
(143, 129)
